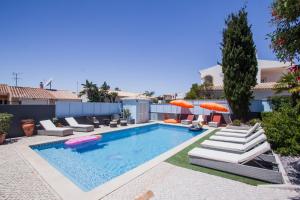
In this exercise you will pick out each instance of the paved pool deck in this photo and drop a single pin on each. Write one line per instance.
(19, 180)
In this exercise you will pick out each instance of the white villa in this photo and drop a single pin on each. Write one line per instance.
(269, 72)
(122, 94)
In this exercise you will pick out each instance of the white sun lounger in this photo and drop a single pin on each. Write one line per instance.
(51, 129)
(233, 147)
(238, 135)
(237, 139)
(79, 127)
(200, 119)
(251, 130)
(248, 164)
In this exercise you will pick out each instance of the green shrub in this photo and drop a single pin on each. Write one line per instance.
(282, 128)
(155, 100)
(236, 122)
(5, 120)
(252, 122)
(126, 113)
(279, 101)
(56, 122)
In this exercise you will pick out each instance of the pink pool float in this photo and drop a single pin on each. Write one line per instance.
(81, 140)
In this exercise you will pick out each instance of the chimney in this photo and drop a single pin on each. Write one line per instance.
(41, 85)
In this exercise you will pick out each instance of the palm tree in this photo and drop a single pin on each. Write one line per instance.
(113, 96)
(90, 90)
(104, 92)
(290, 82)
(105, 86)
(148, 93)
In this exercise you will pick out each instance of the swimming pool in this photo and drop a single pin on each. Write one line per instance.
(92, 164)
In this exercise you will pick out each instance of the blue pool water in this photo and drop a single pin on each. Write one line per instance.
(92, 164)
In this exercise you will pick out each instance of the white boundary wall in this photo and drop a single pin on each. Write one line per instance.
(256, 106)
(76, 109)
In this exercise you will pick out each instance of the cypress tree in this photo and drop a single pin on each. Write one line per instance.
(239, 63)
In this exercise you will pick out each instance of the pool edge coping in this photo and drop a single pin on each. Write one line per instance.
(66, 189)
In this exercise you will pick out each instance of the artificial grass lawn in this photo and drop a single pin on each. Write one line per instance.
(181, 159)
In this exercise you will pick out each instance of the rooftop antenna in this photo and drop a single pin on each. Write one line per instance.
(48, 83)
(16, 77)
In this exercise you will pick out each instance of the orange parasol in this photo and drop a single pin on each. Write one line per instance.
(182, 103)
(214, 107)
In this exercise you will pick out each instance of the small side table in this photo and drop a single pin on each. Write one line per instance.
(213, 124)
(113, 124)
(123, 122)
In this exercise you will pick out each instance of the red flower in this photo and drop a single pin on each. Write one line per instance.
(294, 68)
(279, 42)
(274, 13)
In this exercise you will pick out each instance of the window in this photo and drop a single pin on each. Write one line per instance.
(208, 79)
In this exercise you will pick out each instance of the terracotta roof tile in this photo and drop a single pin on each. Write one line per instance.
(36, 93)
(30, 93)
(269, 85)
(4, 89)
(63, 94)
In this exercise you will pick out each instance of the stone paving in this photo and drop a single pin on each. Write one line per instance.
(18, 180)
(167, 181)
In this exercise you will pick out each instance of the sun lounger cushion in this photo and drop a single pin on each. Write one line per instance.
(229, 157)
(83, 126)
(240, 135)
(234, 147)
(252, 129)
(79, 127)
(51, 129)
(48, 125)
(188, 120)
(231, 134)
(237, 139)
(172, 121)
(199, 120)
(71, 121)
(234, 130)
(216, 121)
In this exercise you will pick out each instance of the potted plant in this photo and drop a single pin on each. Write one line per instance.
(127, 115)
(28, 126)
(56, 122)
(236, 122)
(5, 120)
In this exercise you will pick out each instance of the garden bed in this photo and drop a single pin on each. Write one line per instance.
(291, 165)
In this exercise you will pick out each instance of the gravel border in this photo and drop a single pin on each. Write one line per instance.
(291, 165)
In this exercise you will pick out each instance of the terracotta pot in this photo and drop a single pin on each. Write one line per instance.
(2, 138)
(28, 127)
(59, 125)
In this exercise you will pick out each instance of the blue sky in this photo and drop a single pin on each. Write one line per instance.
(137, 45)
